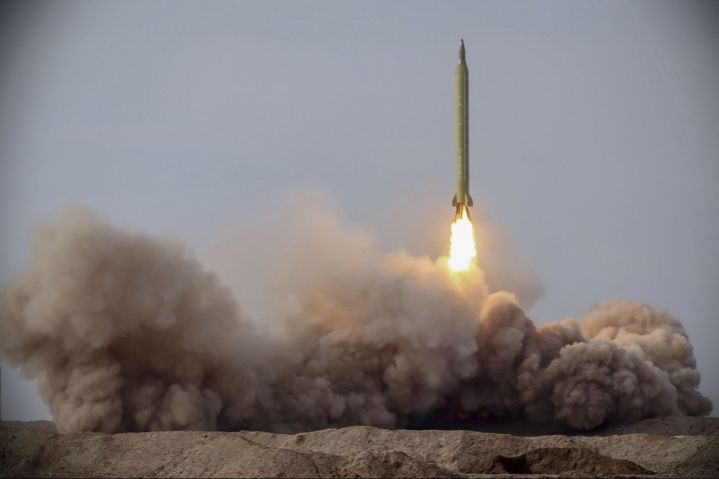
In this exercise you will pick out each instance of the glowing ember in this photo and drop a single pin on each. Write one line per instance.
(462, 250)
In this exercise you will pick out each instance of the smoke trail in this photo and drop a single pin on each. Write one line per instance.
(127, 332)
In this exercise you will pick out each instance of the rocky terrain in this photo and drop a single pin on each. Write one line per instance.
(662, 447)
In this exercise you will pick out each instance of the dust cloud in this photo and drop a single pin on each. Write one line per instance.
(301, 323)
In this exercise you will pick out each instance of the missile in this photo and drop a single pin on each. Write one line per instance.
(461, 198)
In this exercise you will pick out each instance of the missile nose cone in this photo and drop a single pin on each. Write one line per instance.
(461, 51)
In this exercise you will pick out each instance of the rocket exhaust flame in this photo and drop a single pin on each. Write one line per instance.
(462, 250)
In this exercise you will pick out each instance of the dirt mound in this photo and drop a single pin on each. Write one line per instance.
(391, 464)
(565, 460)
(37, 450)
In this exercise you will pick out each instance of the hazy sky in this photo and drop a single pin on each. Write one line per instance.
(594, 131)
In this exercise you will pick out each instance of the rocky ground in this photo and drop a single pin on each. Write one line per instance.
(673, 446)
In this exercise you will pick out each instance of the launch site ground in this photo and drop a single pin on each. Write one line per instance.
(660, 447)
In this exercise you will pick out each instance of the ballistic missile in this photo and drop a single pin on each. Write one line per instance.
(461, 198)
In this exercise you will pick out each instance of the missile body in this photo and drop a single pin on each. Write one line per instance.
(461, 198)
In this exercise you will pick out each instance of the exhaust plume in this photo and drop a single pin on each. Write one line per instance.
(311, 327)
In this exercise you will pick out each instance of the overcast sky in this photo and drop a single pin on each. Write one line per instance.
(594, 131)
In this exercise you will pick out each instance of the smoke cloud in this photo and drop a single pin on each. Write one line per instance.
(302, 324)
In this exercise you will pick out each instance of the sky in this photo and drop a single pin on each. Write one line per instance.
(594, 133)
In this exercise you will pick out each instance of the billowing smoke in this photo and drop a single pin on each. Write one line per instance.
(307, 327)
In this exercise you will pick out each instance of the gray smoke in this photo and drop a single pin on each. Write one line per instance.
(127, 332)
